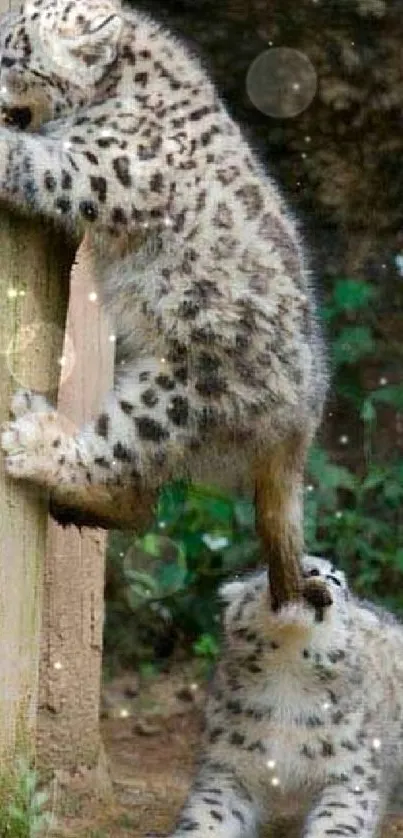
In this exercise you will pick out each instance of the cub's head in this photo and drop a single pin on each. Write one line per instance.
(53, 54)
(248, 612)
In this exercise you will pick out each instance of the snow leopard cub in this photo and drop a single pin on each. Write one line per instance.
(111, 126)
(304, 718)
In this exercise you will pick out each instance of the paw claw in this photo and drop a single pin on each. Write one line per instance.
(26, 401)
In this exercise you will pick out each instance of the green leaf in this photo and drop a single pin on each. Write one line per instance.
(328, 475)
(150, 543)
(352, 294)
(171, 501)
(375, 478)
(352, 344)
(392, 395)
(398, 559)
(367, 412)
(206, 646)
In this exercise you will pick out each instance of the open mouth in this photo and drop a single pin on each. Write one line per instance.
(17, 117)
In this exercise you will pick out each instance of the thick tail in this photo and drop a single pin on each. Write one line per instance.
(279, 513)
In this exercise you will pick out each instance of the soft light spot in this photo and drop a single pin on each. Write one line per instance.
(123, 713)
(62, 361)
(383, 380)
(271, 763)
(310, 488)
(376, 744)
(357, 788)
(281, 82)
(57, 665)
(92, 296)
(274, 781)
(343, 439)
(194, 686)
(168, 222)
(112, 338)
(338, 514)
(326, 705)
(12, 293)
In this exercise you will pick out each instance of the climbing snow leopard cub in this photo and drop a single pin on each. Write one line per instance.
(112, 127)
(304, 718)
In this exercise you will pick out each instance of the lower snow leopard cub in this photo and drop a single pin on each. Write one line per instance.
(304, 718)
(111, 126)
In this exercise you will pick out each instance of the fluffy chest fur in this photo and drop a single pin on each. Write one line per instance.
(298, 704)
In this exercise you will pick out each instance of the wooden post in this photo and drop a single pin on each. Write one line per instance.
(34, 270)
(71, 649)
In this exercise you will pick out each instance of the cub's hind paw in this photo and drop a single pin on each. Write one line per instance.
(36, 446)
(26, 401)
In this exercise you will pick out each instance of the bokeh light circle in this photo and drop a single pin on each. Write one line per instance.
(35, 341)
(281, 82)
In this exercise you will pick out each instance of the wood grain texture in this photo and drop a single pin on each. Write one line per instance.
(71, 648)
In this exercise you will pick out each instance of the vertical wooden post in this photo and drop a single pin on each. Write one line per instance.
(34, 270)
(71, 649)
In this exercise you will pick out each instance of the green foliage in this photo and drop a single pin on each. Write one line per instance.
(357, 521)
(352, 509)
(199, 537)
(206, 647)
(22, 813)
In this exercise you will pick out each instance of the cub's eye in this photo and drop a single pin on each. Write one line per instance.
(335, 580)
(17, 117)
(314, 572)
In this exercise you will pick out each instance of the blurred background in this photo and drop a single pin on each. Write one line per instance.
(335, 145)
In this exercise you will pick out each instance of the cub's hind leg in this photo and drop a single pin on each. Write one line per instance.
(107, 472)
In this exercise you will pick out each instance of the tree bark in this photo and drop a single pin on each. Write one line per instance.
(34, 271)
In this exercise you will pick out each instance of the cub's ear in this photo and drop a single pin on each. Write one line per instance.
(97, 48)
(80, 39)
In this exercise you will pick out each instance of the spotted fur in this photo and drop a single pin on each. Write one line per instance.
(304, 721)
(112, 127)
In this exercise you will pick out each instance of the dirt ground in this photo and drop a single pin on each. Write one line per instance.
(150, 729)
